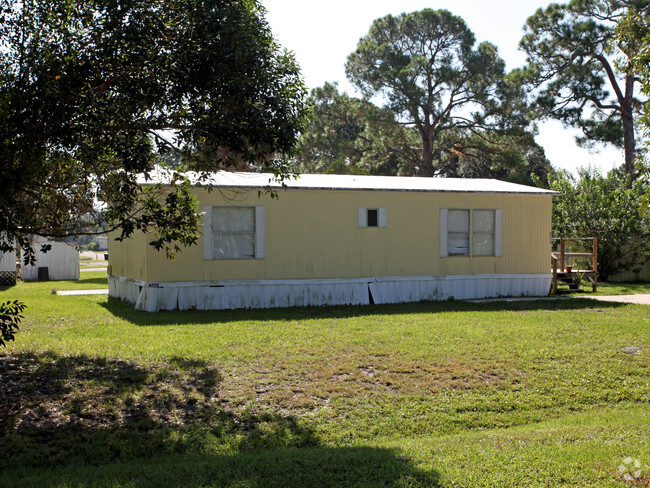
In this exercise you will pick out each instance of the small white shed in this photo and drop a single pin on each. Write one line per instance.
(61, 261)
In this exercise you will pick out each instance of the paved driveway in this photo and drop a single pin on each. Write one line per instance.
(639, 299)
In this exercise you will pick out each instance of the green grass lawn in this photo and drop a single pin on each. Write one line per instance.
(499, 394)
(609, 289)
(621, 288)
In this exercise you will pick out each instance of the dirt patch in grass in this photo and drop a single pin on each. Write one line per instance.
(46, 394)
(308, 385)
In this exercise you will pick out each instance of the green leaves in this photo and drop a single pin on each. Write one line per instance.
(348, 135)
(569, 50)
(10, 317)
(633, 39)
(352, 136)
(434, 82)
(448, 108)
(93, 93)
(610, 208)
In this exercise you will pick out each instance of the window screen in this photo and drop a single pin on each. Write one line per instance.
(233, 230)
(483, 236)
(458, 232)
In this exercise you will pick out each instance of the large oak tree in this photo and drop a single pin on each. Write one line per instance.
(95, 92)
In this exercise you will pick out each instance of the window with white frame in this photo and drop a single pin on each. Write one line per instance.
(484, 225)
(231, 232)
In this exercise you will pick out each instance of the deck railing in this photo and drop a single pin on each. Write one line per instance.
(566, 273)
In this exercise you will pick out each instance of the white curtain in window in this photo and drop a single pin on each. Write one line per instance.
(233, 219)
(487, 237)
(228, 245)
(233, 232)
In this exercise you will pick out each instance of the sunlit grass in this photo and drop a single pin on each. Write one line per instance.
(430, 394)
(622, 288)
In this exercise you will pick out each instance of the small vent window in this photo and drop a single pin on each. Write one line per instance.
(373, 220)
(372, 217)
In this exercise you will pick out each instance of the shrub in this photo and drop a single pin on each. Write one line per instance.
(10, 317)
(610, 208)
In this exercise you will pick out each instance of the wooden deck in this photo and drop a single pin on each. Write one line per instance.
(564, 273)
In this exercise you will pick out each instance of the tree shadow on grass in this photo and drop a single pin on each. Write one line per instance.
(78, 283)
(126, 311)
(321, 467)
(84, 421)
(93, 281)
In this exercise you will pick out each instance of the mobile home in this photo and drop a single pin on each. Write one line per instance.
(345, 239)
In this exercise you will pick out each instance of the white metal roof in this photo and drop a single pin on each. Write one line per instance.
(355, 182)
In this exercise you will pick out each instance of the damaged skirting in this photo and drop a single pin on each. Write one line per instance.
(207, 295)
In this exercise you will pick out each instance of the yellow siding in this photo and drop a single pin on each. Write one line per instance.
(313, 234)
(128, 258)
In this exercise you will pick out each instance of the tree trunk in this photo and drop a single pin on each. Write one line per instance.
(627, 117)
(427, 155)
(427, 162)
(629, 145)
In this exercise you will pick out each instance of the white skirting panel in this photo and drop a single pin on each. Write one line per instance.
(203, 295)
(464, 287)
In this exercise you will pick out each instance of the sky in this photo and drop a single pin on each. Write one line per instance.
(323, 33)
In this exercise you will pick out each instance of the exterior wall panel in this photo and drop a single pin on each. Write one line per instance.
(129, 257)
(314, 234)
(8, 261)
